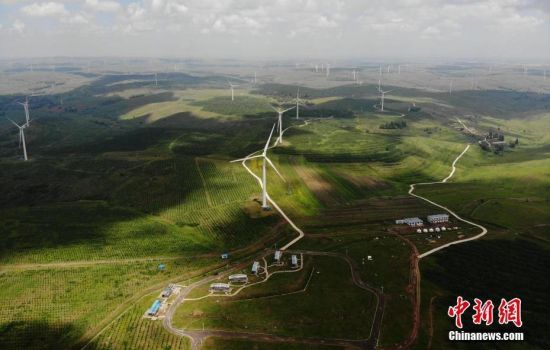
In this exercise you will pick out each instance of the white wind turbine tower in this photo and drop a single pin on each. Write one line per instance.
(298, 104)
(280, 122)
(232, 86)
(26, 107)
(328, 69)
(382, 95)
(265, 161)
(21, 137)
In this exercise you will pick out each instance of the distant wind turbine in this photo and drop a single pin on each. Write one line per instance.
(298, 104)
(265, 161)
(280, 121)
(26, 108)
(21, 137)
(382, 95)
(328, 69)
(232, 86)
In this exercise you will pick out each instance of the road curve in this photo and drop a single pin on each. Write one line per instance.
(483, 229)
(273, 203)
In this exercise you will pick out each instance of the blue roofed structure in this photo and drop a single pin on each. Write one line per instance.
(154, 308)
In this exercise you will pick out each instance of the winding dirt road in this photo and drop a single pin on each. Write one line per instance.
(197, 337)
(411, 190)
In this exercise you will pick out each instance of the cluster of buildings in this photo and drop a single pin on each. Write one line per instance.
(437, 229)
(278, 258)
(432, 219)
(157, 304)
(243, 278)
(226, 287)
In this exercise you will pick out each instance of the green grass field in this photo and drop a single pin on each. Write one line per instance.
(346, 309)
(124, 171)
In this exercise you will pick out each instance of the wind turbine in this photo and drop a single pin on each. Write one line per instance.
(280, 121)
(328, 69)
(21, 137)
(26, 107)
(265, 161)
(382, 95)
(232, 90)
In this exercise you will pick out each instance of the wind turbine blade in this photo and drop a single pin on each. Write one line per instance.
(14, 123)
(245, 158)
(274, 168)
(286, 110)
(268, 140)
(275, 109)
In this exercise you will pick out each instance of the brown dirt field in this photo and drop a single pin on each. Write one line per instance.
(364, 181)
(316, 184)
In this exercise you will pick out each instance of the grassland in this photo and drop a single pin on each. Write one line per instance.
(216, 343)
(53, 307)
(519, 262)
(346, 309)
(124, 171)
(133, 331)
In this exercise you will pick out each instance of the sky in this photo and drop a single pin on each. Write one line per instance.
(277, 29)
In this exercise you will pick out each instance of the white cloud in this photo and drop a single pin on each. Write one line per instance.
(324, 26)
(77, 18)
(45, 9)
(103, 5)
(18, 26)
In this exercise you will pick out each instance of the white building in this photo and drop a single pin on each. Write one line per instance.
(294, 260)
(438, 218)
(238, 278)
(278, 256)
(255, 267)
(220, 287)
(410, 221)
(419, 230)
